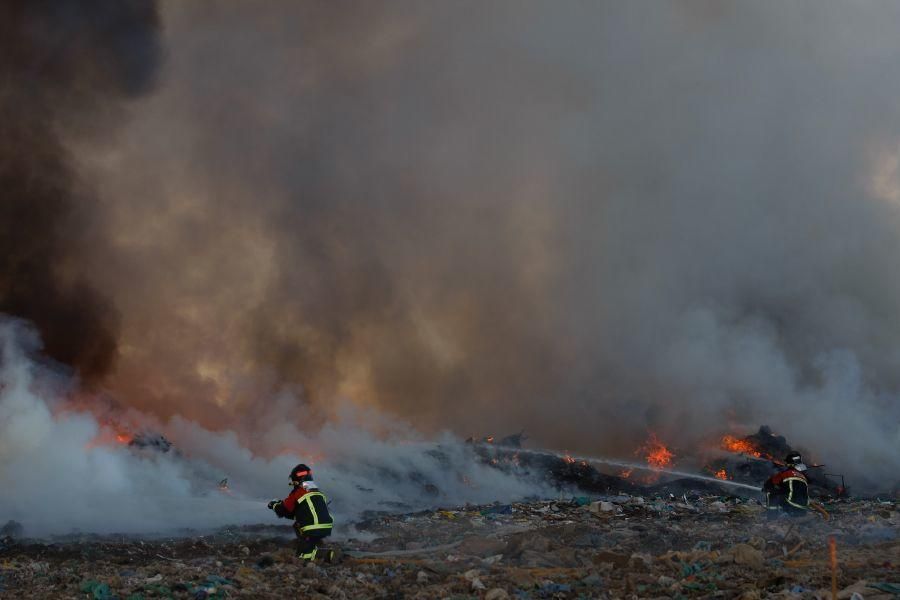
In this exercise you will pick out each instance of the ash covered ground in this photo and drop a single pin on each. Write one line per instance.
(641, 534)
(680, 540)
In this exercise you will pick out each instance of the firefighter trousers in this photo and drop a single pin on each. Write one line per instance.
(311, 546)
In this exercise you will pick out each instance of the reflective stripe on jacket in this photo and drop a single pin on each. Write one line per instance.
(312, 512)
(788, 487)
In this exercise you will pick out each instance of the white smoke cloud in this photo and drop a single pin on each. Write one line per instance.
(57, 479)
(829, 411)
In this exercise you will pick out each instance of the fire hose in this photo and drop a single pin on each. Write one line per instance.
(641, 466)
(820, 509)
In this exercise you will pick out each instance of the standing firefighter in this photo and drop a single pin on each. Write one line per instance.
(309, 509)
(788, 490)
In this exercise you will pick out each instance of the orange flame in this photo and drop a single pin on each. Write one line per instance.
(223, 487)
(656, 453)
(568, 458)
(721, 474)
(739, 446)
(110, 434)
(625, 473)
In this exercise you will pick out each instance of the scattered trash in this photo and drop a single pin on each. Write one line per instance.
(693, 544)
(216, 580)
(890, 588)
(96, 589)
(602, 506)
(550, 588)
(745, 554)
(265, 561)
(502, 509)
(832, 559)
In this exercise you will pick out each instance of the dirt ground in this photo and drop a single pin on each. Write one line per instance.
(661, 546)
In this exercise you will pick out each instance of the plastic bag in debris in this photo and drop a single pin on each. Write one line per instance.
(698, 586)
(216, 580)
(97, 590)
(891, 588)
(688, 569)
(159, 590)
(549, 588)
(205, 593)
(602, 506)
(211, 588)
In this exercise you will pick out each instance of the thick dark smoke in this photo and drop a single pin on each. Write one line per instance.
(65, 65)
(584, 219)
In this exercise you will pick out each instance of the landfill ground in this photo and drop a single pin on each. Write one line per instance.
(691, 545)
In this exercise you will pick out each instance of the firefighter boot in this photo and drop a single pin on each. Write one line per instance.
(307, 548)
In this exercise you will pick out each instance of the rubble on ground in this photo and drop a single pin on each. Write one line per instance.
(692, 545)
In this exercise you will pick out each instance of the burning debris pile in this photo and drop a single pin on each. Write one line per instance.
(742, 463)
(750, 459)
(561, 471)
(116, 434)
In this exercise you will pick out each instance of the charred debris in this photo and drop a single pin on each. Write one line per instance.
(747, 460)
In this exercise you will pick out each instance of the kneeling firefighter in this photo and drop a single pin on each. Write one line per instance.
(309, 509)
(788, 490)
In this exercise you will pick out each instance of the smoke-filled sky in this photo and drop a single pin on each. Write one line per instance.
(580, 219)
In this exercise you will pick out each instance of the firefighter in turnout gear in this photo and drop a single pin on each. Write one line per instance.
(788, 490)
(309, 509)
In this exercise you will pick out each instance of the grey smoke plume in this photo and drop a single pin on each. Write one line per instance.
(586, 220)
(67, 66)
